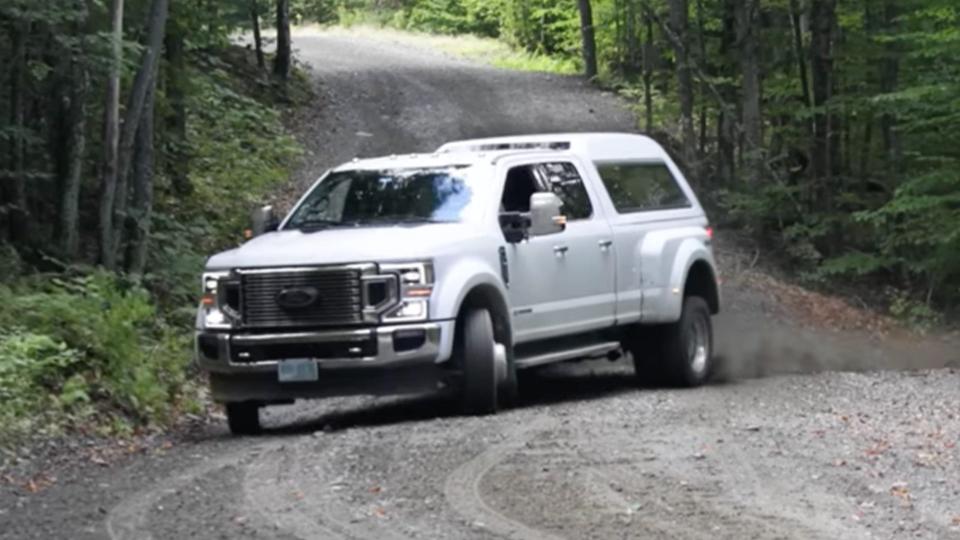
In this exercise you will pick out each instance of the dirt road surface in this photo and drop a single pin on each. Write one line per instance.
(815, 433)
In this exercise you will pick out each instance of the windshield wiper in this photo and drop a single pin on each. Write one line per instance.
(318, 224)
(403, 220)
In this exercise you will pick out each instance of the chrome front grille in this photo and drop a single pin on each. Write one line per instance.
(338, 291)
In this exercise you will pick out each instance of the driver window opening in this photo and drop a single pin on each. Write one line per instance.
(519, 187)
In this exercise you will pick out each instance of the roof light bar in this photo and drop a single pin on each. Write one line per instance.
(501, 146)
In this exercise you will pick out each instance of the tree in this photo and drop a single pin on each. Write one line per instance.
(648, 66)
(679, 26)
(143, 85)
(257, 38)
(141, 210)
(111, 138)
(747, 24)
(823, 19)
(282, 61)
(20, 209)
(176, 76)
(69, 226)
(589, 41)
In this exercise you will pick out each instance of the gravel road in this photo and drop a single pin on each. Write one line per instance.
(814, 433)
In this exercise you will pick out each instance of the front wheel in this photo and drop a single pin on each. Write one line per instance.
(243, 418)
(476, 356)
(678, 354)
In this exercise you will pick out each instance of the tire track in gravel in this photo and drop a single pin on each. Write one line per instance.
(128, 519)
(278, 493)
(462, 486)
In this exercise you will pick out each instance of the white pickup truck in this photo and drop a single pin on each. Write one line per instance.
(452, 270)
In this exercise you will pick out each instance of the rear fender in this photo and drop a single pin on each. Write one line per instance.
(666, 259)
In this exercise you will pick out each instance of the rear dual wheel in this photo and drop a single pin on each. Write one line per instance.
(678, 354)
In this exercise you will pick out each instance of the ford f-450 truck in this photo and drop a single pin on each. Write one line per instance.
(455, 269)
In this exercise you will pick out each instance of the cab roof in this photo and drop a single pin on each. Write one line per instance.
(590, 146)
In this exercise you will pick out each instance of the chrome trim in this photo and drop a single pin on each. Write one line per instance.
(364, 268)
(301, 337)
(386, 355)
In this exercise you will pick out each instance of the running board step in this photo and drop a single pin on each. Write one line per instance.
(597, 349)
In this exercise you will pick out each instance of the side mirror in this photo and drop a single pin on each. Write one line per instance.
(515, 226)
(545, 214)
(263, 220)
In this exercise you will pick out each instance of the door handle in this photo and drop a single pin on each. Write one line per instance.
(560, 251)
(605, 244)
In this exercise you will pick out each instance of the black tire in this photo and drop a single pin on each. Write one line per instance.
(243, 418)
(678, 354)
(475, 358)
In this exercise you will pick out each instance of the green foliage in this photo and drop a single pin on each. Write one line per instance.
(241, 152)
(33, 388)
(86, 338)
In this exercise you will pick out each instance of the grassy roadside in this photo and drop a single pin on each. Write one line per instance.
(86, 352)
(485, 50)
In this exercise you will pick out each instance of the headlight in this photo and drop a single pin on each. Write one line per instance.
(416, 287)
(212, 312)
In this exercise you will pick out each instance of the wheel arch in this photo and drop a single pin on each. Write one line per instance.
(488, 296)
(701, 281)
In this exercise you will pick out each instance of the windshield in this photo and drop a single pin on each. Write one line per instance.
(384, 197)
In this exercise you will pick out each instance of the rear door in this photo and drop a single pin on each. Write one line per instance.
(564, 283)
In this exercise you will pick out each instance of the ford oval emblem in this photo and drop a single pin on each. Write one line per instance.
(297, 297)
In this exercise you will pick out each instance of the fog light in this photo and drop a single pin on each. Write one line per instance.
(215, 318)
(408, 340)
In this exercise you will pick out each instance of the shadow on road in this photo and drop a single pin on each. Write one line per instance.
(548, 386)
(585, 381)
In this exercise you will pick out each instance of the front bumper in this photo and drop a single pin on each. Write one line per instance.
(385, 360)
(216, 352)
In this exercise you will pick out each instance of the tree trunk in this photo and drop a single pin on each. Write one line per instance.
(281, 63)
(648, 67)
(142, 85)
(632, 37)
(257, 38)
(178, 165)
(141, 210)
(796, 21)
(726, 121)
(823, 19)
(704, 63)
(19, 214)
(111, 138)
(69, 218)
(589, 42)
(679, 25)
(889, 82)
(747, 23)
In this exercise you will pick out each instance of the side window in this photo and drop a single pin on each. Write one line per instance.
(563, 179)
(641, 187)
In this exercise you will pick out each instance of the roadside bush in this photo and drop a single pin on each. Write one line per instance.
(34, 374)
(87, 338)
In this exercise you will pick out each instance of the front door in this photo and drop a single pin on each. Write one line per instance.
(564, 283)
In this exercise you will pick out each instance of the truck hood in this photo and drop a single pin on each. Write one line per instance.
(342, 246)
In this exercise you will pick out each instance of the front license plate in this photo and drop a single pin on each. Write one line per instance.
(298, 370)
